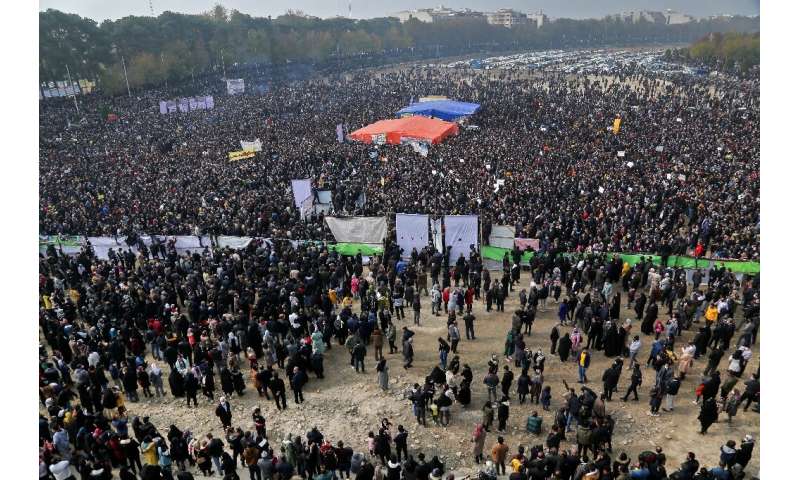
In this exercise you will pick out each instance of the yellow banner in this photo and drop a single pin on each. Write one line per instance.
(240, 155)
(617, 123)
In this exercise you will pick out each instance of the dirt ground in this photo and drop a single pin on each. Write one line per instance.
(347, 405)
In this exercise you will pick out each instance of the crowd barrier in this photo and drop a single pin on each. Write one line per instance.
(188, 243)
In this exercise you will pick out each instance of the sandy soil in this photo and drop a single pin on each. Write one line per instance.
(347, 405)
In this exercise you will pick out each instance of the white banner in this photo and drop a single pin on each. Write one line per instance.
(307, 207)
(420, 148)
(339, 133)
(235, 85)
(460, 232)
(436, 233)
(254, 146)
(412, 232)
(502, 236)
(369, 230)
(236, 243)
(102, 245)
(301, 189)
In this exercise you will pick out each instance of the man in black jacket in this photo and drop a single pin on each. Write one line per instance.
(401, 443)
(215, 451)
(751, 390)
(343, 457)
(687, 470)
(610, 380)
(278, 389)
(223, 411)
(299, 379)
(508, 378)
(190, 387)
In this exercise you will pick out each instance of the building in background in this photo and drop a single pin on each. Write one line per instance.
(539, 19)
(434, 15)
(506, 17)
(639, 16)
(676, 18)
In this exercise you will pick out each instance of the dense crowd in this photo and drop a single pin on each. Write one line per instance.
(267, 316)
(213, 324)
(692, 187)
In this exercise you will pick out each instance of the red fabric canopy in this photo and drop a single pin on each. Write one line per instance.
(415, 127)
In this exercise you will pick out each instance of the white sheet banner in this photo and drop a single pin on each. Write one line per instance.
(235, 85)
(307, 207)
(301, 189)
(369, 230)
(102, 245)
(412, 232)
(254, 146)
(502, 236)
(236, 243)
(460, 231)
(436, 233)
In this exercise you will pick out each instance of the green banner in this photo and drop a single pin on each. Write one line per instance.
(351, 249)
(64, 241)
(736, 266)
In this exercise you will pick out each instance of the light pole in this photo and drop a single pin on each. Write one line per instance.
(72, 87)
(125, 69)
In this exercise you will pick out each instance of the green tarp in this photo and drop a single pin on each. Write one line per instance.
(496, 253)
(351, 249)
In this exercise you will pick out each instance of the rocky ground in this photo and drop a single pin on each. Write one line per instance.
(347, 405)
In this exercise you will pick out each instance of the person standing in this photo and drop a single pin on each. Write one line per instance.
(401, 443)
(469, 324)
(499, 453)
(554, 336)
(359, 352)
(673, 385)
(708, 414)
(408, 353)
(752, 389)
(391, 337)
(156, 379)
(584, 360)
(505, 382)
(610, 379)
(299, 379)
(444, 350)
(488, 416)
(251, 456)
(377, 342)
(455, 336)
(633, 350)
(278, 389)
(383, 373)
(190, 388)
(656, 395)
(636, 380)
(224, 413)
(478, 440)
(502, 414)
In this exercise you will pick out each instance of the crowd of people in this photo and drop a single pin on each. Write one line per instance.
(155, 323)
(273, 312)
(692, 146)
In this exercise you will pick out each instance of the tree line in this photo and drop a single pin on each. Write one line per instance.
(175, 46)
(731, 51)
